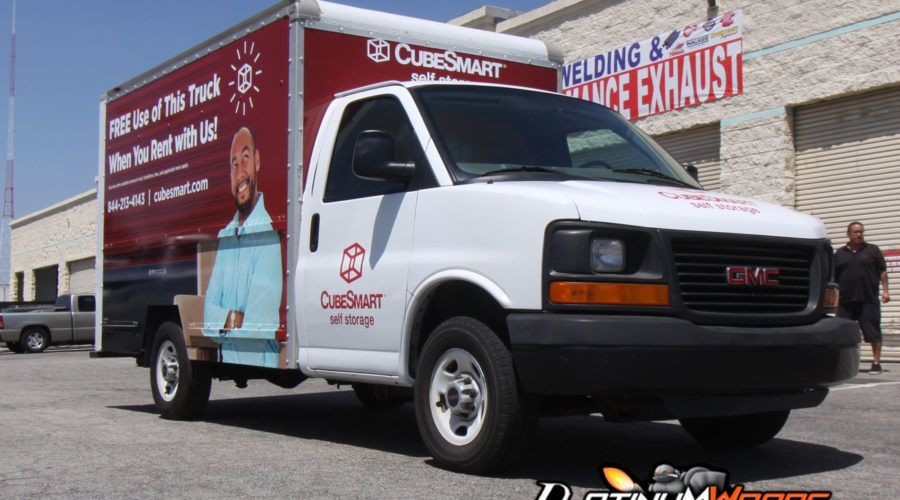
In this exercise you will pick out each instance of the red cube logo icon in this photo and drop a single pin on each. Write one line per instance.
(352, 262)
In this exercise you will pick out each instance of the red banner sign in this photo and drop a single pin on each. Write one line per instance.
(892, 259)
(696, 64)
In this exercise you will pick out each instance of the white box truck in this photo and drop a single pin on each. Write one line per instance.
(409, 207)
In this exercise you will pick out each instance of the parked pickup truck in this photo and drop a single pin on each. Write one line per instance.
(69, 321)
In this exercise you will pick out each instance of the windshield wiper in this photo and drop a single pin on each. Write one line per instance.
(527, 168)
(651, 172)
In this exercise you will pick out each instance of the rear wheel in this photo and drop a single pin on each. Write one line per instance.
(736, 431)
(468, 408)
(35, 340)
(180, 386)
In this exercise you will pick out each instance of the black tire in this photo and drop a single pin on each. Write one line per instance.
(34, 340)
(15, 347)
(377, 397)
(180, 386)
(738, 431)
(468, 408)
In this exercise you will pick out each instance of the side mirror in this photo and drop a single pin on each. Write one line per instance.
(373, 156)
(692, 171)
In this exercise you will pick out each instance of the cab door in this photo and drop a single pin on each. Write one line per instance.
(83, 318)
(352, 282)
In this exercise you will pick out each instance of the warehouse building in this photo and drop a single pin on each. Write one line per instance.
(52, 251)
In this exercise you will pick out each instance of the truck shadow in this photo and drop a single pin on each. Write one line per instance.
(51, 350)
(567, 449)
(575, 449)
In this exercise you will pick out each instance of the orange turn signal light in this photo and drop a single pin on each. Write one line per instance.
(627, 294)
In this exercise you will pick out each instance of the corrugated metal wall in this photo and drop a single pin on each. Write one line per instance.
(699, 146)
(82, 276)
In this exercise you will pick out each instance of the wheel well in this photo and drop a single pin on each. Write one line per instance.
(455, 298)
(156, 316)
(42, 328)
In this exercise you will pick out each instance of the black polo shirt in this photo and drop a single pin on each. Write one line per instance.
(859, 273)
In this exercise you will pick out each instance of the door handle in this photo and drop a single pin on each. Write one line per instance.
(314, 233)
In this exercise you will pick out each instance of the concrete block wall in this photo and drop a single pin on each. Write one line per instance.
(758, 158)
(794, 53)
(56, 235)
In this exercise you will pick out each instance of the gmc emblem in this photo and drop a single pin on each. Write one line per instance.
(752, 276)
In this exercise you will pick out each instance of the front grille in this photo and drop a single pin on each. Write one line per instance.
(701, 266)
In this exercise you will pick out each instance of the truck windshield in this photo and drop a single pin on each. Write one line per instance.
(515, 134)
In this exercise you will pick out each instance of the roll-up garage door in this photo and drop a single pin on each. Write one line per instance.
(46, 283)
(82, 276)
(698, 146)
(848, 169)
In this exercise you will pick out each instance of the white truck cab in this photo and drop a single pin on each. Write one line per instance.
(458, 230)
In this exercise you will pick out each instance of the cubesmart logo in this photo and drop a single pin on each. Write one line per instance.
(352, 262)
(378, 50)
(246, 68)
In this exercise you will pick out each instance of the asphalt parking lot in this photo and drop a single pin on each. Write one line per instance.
(77, 427)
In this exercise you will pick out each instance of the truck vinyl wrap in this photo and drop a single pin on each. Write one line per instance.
(166, 186)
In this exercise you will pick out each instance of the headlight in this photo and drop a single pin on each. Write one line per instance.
(607, 255)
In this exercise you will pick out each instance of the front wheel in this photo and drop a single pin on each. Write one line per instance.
(180, 386)
(35, 340)
(737, 431)
(468, 409)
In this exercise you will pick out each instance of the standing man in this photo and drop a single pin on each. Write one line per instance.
(243, 299)
(859, 267)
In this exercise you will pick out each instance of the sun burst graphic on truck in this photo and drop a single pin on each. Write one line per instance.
(244, 77)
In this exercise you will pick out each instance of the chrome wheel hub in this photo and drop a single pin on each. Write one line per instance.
(167, 370)
(458, 397)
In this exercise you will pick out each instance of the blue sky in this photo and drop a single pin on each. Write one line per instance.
(69, 53)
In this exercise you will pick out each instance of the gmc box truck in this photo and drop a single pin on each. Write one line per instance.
(410, 208)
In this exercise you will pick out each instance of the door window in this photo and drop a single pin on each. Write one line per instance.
(385, 114)
(86, 303)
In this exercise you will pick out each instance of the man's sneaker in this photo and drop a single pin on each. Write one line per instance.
(876, 368)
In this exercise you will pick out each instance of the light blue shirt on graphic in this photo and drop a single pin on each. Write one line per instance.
(246, 277)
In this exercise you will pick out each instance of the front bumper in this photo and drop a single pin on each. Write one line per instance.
(680, 362)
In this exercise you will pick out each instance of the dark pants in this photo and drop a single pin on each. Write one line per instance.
(867, 314)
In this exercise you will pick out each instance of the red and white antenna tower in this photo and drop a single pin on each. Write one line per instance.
(8, 212)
